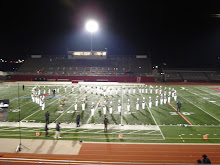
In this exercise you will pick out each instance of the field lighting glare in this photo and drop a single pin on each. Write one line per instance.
(92, 26)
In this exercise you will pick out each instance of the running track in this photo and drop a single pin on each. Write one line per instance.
(139, 153)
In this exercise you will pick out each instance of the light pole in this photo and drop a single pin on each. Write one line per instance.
(92, 26)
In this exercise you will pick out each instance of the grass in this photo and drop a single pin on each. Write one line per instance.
(200, 105)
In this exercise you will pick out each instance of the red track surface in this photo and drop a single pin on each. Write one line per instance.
(145, 153)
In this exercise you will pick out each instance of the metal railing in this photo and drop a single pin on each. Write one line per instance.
(17, 161)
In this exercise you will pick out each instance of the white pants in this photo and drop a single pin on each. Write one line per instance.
(150, 104)
(143, 105)
(83, 107)
(110, 110)
(104, 110)
(146, 90)
(137, 106)
(128, 108)
(168, 99)
(43, 106)
(75, 107)
(165, 101)
(156, 103)
(161, 101)
(92, 112)
(119, 109)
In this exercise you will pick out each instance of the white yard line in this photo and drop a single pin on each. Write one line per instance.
(68, 108)
(16, 98)
(150, 132)
(39, 110)
(200, 108)
(153, 118)
(214, 94)
(201, 96)
(94, 111)
(135, 131)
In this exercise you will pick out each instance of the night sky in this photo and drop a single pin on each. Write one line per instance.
(181, 33)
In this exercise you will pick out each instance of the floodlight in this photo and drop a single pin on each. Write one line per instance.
(92, 26)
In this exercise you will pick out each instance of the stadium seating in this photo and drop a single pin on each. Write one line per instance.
(109, 67)
(191, 75)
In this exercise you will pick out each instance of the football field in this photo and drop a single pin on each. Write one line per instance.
(147, 123)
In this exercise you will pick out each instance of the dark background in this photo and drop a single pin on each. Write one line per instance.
(179, 33)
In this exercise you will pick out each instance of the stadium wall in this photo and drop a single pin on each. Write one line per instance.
(83, 78)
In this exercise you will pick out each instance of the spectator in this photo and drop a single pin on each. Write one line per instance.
(57, 135)
(47, 114)
(199, 161)
(205, 160)
(77, 120)
(106, 124)
(46, 130)
(54, 92)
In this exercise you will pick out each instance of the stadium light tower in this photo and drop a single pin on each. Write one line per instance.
(92, 26)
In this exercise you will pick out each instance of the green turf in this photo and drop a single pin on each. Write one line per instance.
(200, 105)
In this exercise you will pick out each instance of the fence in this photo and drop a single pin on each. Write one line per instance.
(21, 161)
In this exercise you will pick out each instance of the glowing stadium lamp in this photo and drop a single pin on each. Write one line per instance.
(92, 26)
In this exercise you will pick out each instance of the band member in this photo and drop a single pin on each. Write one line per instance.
(137, 104)
(143, 103)
(128, 105)
(150, 102)
(119, 106)
(161, 99)
(110, 108)
(92, 109)
(156, 101)
(75, 105)
(83, 104)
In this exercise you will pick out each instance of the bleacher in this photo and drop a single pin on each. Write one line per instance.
(191, 75)
(79, 67)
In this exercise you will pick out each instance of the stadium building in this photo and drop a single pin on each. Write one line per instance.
(88, 66)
